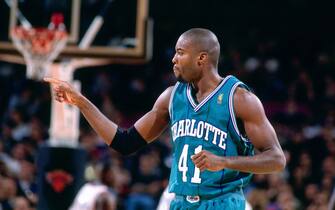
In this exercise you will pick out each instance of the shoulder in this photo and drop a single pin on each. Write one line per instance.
(243, 95)
(168, 91)
(165, 96)
(247, 104)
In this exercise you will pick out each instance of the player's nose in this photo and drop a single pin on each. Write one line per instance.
(174, 59)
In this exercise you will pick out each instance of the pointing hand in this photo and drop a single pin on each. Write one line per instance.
(63, 91)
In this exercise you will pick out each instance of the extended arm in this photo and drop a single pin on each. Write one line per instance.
(270, 157)
(149, 127)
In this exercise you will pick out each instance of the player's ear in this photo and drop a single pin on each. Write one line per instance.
(203, 56)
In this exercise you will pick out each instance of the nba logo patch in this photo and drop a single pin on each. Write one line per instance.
(220, 97)
(193, 199)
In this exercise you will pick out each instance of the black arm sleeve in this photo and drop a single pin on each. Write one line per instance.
(127, 141)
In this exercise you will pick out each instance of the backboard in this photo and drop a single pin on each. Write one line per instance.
(97, 28)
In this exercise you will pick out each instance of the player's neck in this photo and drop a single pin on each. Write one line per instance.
(206, 84)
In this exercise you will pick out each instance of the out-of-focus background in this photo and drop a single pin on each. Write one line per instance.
(284, 50)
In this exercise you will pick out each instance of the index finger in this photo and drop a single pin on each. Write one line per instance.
(51, 80)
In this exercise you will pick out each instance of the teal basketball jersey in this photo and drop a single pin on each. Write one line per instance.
(209, 125)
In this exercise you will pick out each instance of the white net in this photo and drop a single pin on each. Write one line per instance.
(39, 47)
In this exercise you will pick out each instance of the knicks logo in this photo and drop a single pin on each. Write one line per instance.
(59, 179)
(220, 97)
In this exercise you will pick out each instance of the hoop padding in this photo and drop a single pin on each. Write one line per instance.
(39, 47)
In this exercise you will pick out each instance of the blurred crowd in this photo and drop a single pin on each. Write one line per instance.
(298, 94)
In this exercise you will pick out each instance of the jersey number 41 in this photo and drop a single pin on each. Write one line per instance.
(182, 165)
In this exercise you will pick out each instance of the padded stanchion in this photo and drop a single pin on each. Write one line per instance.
(60, 175)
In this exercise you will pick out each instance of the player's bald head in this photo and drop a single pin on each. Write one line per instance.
(203, 40)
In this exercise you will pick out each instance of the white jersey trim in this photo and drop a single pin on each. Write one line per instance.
(232, 112)
(197, 107)
(171, 98)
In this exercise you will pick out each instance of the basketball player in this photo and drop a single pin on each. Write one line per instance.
(213, 157)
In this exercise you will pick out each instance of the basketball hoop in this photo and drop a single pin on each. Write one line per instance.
(39, 47)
